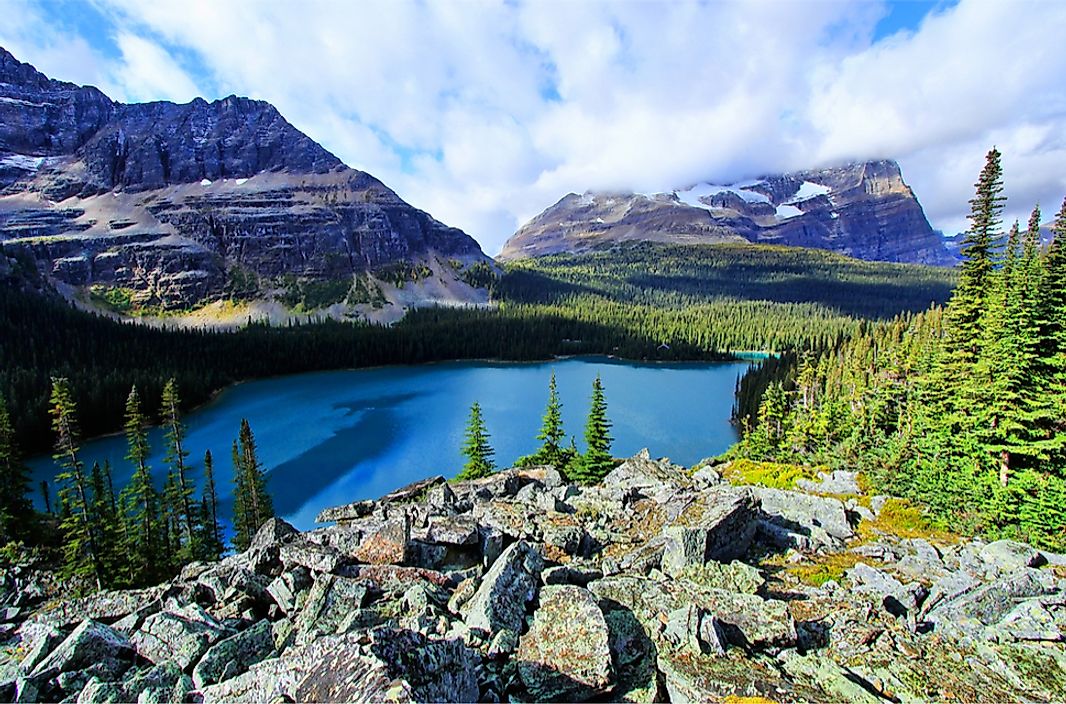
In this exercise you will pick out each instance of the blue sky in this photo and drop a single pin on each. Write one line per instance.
(485, 112)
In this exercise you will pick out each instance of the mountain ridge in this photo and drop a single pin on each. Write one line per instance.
(173, 206)
(863, 209)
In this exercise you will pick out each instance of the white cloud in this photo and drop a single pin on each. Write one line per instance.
(484, 113)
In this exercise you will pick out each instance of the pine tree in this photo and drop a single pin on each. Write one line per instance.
(979, 250)
(175, 457)
(81, 554)
(252, 503)
(142, 497)
(476, 448)
(16, 512)
(597, 461)
(211, 545)
(551, 433)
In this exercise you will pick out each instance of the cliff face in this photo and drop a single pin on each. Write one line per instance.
(183, 204)
(658, 584)
(864, 210)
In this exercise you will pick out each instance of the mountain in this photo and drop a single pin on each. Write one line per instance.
(864, 210)
(163, 207)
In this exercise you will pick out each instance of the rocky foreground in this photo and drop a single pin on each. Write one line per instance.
(659, 584)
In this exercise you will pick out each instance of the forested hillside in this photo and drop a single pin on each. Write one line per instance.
(962, 408)
(645, 302)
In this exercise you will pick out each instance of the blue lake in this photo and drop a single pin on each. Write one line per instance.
(333, 437)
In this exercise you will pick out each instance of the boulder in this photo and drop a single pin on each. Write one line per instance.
(734, 576)
(501, 599)
(565, 655)
(287, 586)
(162, 683)
(793, 519)
(835, 482)
(644, 476)
(1010, 555)
(388, 545)
(107, 606)
(330, 602)
(232, 656)
(968, 613)
(398, 666)
(691, 627)
(272, 534)
(348, 512)
(718, 525)
(452, 530)
(91, 642)
(178, 636)
(413, 492)
(306, 554)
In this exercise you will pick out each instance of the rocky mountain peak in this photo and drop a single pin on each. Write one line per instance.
(176, 206)
(862, 209)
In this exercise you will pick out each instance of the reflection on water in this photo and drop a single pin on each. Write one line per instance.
(333, 437)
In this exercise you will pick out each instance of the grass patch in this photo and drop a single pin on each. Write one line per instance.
(768, 474)
(832, 568)
(113, 298)
(901, 518)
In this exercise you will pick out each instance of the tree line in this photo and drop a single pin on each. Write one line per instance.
(657, 302)
(140, 534)
(583, 468)
(961, 407)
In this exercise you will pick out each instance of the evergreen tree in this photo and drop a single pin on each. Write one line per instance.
(979, 250)
(46, 496)
(551, 434)
(252, 503)
(142, 497)
(81, 554)
(476, 448)
(175, 458)
(211, 545)
(15, 509)
(597, 461)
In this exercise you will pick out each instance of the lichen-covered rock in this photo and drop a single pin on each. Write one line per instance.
(180, 637)
(90, 643)
(306, 554)
(1010, 555)
(968, 613)
(388, 545)
(733, 576)
(718, 525)
(330, 602)
(566, 655)
(234, 655)
(512, 582)
(797, 520)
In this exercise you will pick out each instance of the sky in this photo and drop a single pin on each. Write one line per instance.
(484, 113)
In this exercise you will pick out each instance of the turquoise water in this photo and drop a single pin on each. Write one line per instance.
(333, 437)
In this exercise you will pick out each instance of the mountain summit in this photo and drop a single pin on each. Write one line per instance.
(864, 210)
(169, 206)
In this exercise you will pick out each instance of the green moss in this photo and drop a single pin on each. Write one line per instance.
(768, 474)
(113, 298)
(903, 519)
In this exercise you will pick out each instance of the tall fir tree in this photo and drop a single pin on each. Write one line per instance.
(16, 512)
(142, 498)
(476, 448)
(980, 249)
(211, 545)
(175, 457)
(551, 435)
(597, 461)
(252, 503)
(81, 553)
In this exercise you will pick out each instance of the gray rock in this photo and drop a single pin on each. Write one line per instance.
(566, 655)
(835, 482)
(510, 584)
(647, 477)
(452, 530)
(96, 691)
(314, 557)
(163, 683)
(720, 526)
(690, 627)
(1010, 555)
(503, 643)
(801, 521)
(287, 586)
(576, 574)
(388, 545)
(38, 640)
(181, 637)
(413, 492)
(734, 576)
(987, 605)
(348, 512)
(234, 655)
(91, 642)
(331, 601)
(398, 666)
(272, 534)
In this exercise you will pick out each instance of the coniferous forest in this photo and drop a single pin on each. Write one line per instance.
(961, 408)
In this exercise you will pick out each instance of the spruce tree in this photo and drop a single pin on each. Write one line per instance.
(597, 461)
(252, 503)
(142, 496)
(476, 448)
(15, 509)
(81, 553)
(551, 434)
(175, 458)
(979, 250)
(211, 545)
